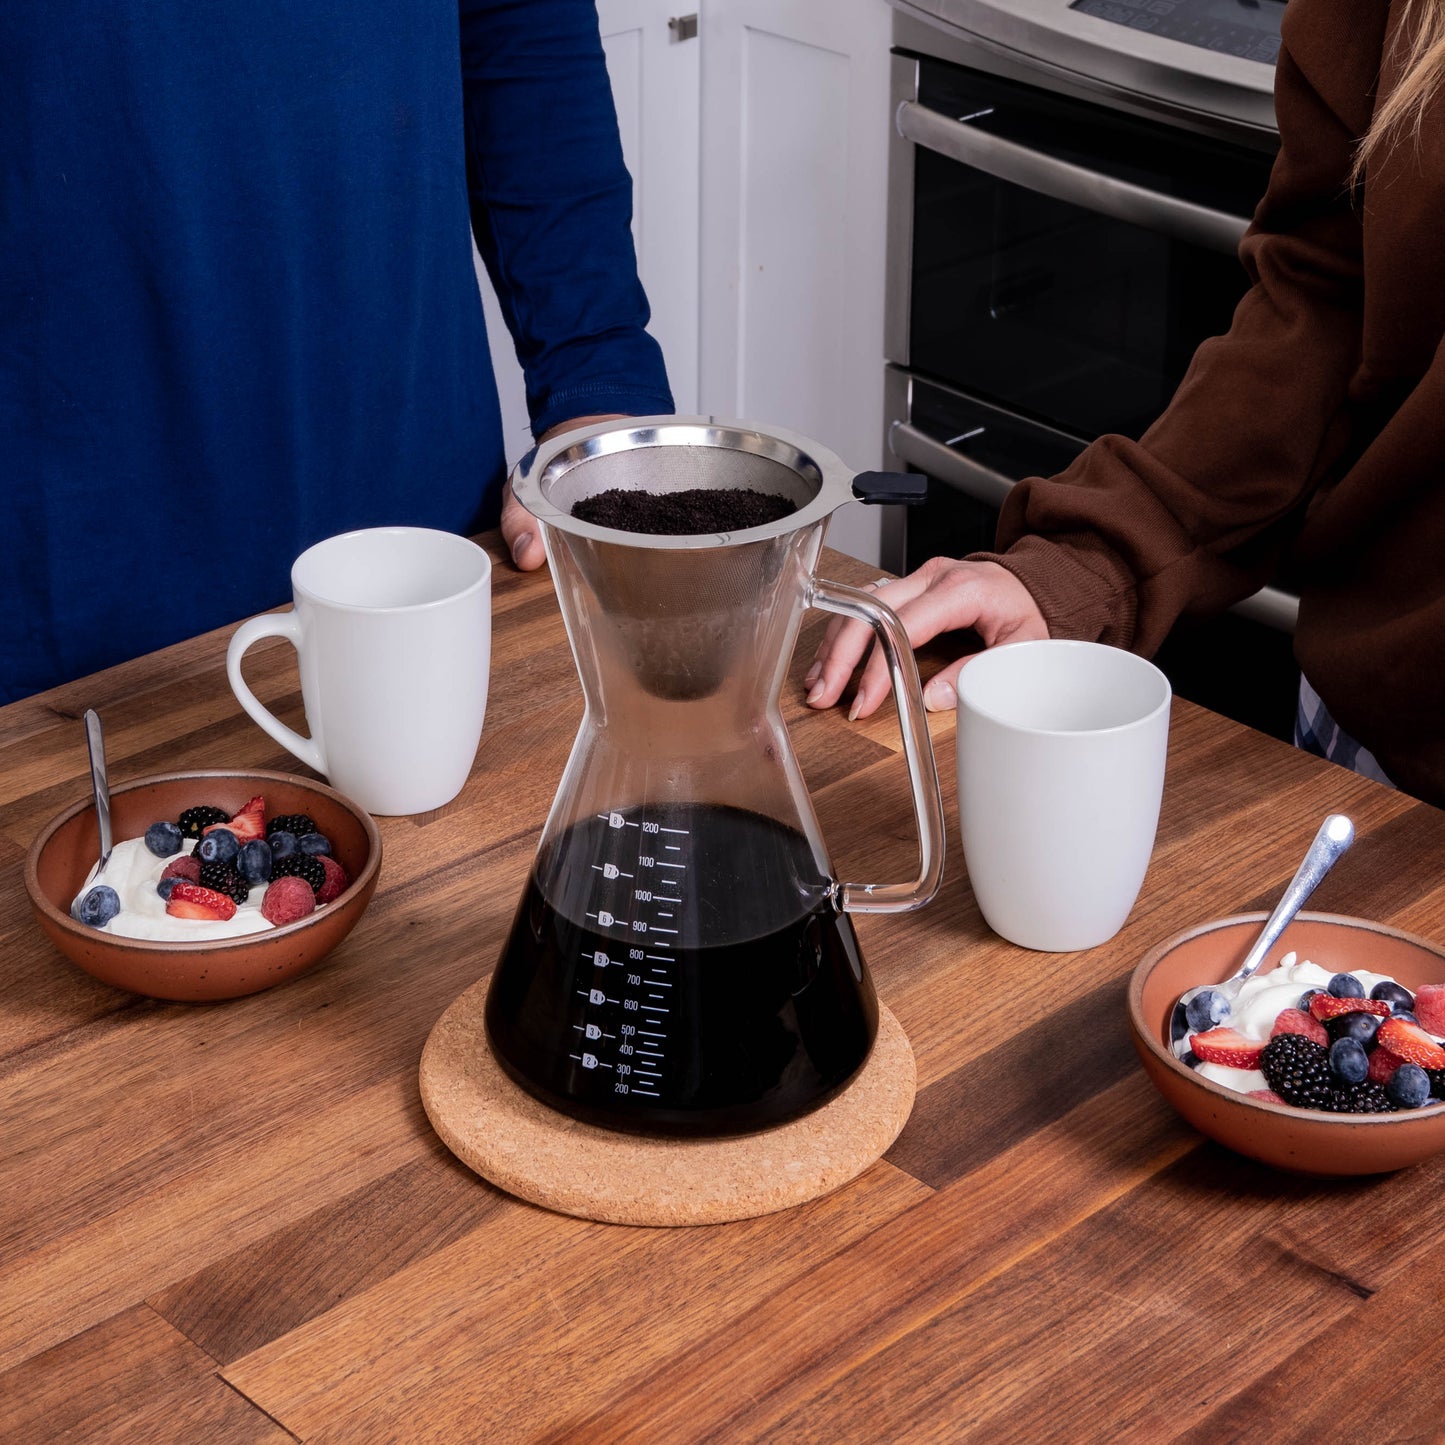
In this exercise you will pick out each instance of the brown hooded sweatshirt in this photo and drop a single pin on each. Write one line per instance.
(1310, 438)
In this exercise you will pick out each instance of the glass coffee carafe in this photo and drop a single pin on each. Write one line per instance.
(682, 959)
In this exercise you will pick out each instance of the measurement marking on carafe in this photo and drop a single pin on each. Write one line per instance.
(646, 1035)
(664, 930)
(611, 870)
(657, 958)
(661, 864)
(657, 983)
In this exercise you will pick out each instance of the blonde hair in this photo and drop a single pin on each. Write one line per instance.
(1424, 66)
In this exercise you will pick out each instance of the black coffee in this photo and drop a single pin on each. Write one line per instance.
(624, 1022)
(681, 514)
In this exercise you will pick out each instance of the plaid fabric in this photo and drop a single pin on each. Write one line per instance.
(1317, 732)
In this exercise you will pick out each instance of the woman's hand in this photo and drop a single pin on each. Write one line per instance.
(519, 526)
(943, 595)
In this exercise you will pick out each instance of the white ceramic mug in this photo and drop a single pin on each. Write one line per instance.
(392, 628)
(1061, 749)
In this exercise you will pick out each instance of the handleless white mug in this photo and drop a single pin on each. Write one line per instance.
(392, 631)
(1061, 752)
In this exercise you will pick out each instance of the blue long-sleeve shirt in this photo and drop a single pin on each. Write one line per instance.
(238, 311)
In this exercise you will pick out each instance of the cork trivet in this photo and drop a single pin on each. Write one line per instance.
(534, 1152)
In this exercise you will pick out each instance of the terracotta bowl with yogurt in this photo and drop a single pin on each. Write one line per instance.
(1303, 1141)
(205, 971)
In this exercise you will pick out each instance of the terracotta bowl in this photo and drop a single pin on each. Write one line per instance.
(1303, 1141)
(66, 849)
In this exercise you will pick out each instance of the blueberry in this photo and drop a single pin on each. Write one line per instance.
(98, 906)
(1305, 997)
(1406, 1015)
(1190, 1059)
(1348, 1061)
(254, 862)
(1394, 994)
(1346, 985)
(1354, 1026)
(1408, 1087)
(1178, 1024)
(163, 839)
(283, 844)
(317, 844)
(220, 845)
(167, 885)
(1207, 1009)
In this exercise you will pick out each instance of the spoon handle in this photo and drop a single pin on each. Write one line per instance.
(95, 745)
(1334, 837)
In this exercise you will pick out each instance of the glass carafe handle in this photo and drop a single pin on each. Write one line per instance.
(917, 751)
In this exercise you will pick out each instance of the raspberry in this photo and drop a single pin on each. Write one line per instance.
(187, 866)
(338, 880)
(300, 865)
(287, 900)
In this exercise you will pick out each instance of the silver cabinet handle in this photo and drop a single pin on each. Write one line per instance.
(1268, 606)
(1107, 196)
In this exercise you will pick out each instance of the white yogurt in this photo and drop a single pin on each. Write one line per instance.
(134, 871)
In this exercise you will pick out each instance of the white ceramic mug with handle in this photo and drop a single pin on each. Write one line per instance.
(1061, 752)
(392, 631)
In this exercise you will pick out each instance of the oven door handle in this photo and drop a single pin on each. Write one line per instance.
(1270, 606)
(1006, 160)
(950, 467)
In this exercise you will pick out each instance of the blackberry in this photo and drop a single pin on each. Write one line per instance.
(224, 879)
(1365, 1098)
(1298, 1070)
(300, 865)
(1437, 1082)
(194, 819)
(297, 824)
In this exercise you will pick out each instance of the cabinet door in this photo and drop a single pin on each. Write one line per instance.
(795, 154)
(655, 85)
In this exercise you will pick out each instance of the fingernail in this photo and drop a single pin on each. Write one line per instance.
(935, 697)
(856, 708)
(817, 691)
(522, 544)
(811, 676)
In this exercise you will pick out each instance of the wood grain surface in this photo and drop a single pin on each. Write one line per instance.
(232, 1222)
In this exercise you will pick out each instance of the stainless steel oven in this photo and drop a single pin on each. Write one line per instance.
(1063, 227)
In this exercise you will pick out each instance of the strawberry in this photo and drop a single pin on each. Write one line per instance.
(1297, 1021)
(1382, 1064)
(1227, 1046)
(1268, 1095)
(1327, 1006)
(286, 900)
(1430, 1008)
(248, 823)
(190, 900)
(1410, 1043)
(187, 866)
(338, 880)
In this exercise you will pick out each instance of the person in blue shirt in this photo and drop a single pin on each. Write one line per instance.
(238, 311)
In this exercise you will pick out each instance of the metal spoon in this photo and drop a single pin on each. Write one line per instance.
(1334, 837)
(95, 746)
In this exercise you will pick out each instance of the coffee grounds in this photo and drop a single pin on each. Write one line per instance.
(682, 514)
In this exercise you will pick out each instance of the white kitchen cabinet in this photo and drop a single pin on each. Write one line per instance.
(759, 154)
(795, 131)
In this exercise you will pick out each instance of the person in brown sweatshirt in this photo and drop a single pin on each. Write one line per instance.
(1311, 436)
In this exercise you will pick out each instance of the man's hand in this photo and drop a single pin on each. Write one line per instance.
(943, 595)
(519, 526)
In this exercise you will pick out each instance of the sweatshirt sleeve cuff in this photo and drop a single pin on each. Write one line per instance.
(1083, 589)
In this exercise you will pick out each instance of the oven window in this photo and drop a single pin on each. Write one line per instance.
(1083, 321)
